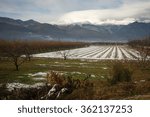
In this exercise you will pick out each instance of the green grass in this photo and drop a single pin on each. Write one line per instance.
(100, 71)
(70, 67)
(78, 69)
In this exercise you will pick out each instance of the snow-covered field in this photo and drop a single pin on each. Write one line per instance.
(95, 52)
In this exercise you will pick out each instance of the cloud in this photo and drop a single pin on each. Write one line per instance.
(72, 11)
(122, 15)
(54, 6)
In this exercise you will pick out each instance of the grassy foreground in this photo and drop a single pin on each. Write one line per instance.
(100, 74)
(98, 70)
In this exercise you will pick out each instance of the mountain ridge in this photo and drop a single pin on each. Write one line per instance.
(30, 29)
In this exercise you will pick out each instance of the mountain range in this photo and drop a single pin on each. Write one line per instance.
(30, 29)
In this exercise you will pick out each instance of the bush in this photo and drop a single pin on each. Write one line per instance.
(62, 80)
(55, 78)
(77, 89)
(121, 74)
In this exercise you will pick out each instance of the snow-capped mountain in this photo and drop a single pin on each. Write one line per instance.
(30, 29)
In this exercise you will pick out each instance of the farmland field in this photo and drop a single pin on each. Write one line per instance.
(93, 67)
(96, 52)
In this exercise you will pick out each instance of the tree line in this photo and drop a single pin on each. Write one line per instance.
(145, 42)
(19, 51)
(142, 45)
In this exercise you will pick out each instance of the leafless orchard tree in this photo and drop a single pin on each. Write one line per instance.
(144, 52)
(65, 54)
(14, 51)
(28, 51)
(143, 47)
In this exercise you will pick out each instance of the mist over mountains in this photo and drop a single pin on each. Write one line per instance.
(30, 29)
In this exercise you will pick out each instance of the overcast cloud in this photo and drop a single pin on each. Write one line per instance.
(74, 11)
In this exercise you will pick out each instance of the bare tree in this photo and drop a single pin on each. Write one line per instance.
(143, 47)
(14, 50)
(65, 54)
(28, 50)
(143, 53)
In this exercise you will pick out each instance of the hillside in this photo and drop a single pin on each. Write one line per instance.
(30, 29)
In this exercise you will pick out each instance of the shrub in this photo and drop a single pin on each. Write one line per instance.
(55, 78)
(77, 89)
(121, 74)
(64, 81)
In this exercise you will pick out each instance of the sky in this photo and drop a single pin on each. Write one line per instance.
(77, 11)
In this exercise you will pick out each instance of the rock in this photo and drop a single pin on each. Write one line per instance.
(93, 76)
(52, 92)
(105, 68)
(12, 86)
(62, 92)
(135, 82)
(142, 80)
(25, 91)
(56, 92)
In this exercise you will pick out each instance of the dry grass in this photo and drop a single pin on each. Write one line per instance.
(123, 88)
(118, 91)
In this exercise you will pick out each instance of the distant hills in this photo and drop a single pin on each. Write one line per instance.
(30, 29)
